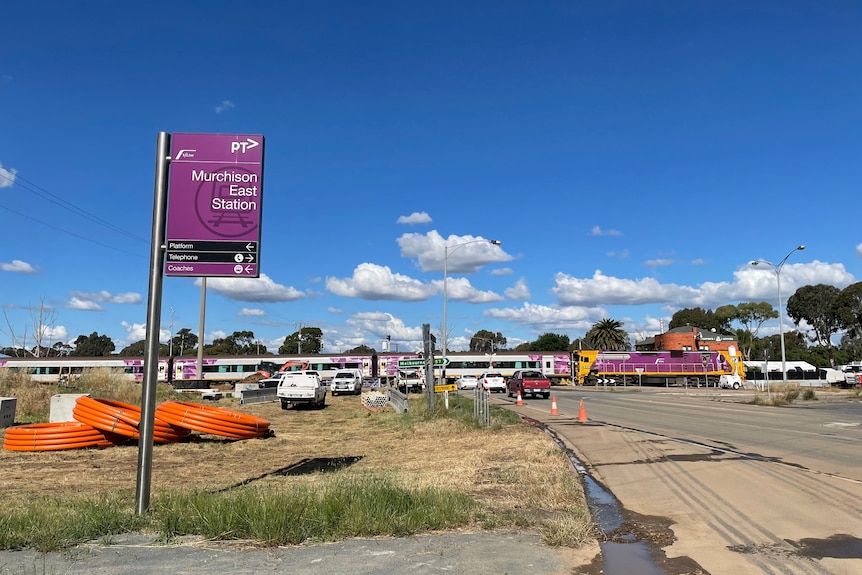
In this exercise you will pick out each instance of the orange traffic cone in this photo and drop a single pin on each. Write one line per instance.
(519, 398)
(582, 414)
(554, 405)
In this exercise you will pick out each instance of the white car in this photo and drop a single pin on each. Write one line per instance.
(493, 382)
(468, 382)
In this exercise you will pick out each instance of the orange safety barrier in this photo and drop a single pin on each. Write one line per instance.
(212, 420)
(57, 436)
(123, 419)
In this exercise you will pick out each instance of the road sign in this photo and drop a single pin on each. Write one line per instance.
(606, 380)
(214, 205)
(445, 387)
(438, 361)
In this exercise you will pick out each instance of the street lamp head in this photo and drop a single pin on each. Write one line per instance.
(753, 262)
(800, 247)
(497, 243)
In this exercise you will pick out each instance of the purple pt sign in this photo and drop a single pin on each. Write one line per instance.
(214, 205)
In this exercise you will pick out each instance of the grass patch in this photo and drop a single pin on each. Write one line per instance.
(426, 470)
(57, 523)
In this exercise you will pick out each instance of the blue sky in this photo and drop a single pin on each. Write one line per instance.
(631, 157)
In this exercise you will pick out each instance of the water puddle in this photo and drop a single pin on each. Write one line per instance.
(623, 552)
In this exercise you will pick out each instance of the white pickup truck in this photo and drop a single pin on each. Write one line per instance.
(301, 387)
(346, 381)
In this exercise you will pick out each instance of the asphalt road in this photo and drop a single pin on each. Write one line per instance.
(743, 488)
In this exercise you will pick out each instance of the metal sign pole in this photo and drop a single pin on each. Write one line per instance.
(154, 311)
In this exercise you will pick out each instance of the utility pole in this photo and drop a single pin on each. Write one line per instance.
(171, 341)
(299, 339)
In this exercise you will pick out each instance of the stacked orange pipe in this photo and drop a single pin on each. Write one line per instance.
(123, 419)
(57, 436)
(105, 422)
(212, 420)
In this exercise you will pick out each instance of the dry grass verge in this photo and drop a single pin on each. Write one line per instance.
(517, 476)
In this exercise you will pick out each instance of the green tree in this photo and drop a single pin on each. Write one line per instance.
(137, 349)
(185, 343)
(361, 350)
(93, 345)
(751, 316)
(307, 341)
(699, 317)
(484, 341)
(61, 349)
(238, 343)
(578, 343)
(816, 304)
(852, 347)
(608, 335)
(849, 309)
(550, 342)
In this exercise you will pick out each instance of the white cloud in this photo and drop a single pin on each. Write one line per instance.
(375, 282)
(251, 312)
(597, 231)
(605, 290)
(17, 266)
(261, 289)
(859, 250)
(467, 254)
(751, 283)
(543, 318)
(7, 177)
(54, 333)
(502, 272)
(105, 296)
(619, 255)
(224, 106)
(658, 263)
(460, 289)
(519, 291)
(83, 305)
(415, 218)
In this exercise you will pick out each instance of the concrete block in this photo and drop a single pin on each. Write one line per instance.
(62, 405)
(240, 387)
(7, 411)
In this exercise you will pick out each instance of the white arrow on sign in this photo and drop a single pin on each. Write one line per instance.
(249, 247)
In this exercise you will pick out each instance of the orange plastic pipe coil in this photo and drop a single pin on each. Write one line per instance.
(212, 420)
(58, 435)
(123, 419)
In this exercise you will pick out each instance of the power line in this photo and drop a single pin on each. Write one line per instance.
(67, 205)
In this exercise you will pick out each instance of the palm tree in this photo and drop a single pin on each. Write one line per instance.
(608, 334)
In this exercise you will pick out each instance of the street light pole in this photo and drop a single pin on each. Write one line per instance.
(777, 270)
(446, 252)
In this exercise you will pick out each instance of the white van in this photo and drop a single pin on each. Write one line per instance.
(346, 381)
(296, 387)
